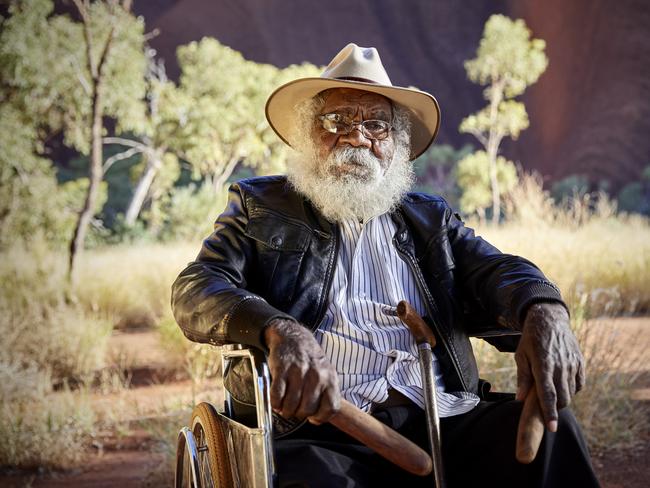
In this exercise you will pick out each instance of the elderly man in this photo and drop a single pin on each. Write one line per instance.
(310, 267)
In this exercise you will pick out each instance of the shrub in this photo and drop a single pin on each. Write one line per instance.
(130, 286)
(191, 212)
(38, 327)
(38, 427)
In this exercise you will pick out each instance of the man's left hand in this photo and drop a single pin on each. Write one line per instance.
(549, 358)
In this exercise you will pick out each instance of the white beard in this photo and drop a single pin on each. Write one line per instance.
(363, 191)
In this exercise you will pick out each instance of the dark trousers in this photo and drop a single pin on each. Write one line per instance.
(478, 450)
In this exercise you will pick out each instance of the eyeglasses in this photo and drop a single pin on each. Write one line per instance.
(340, 125)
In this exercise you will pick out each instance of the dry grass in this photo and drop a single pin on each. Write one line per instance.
(39, 427)
(43, 342)
(131, 285)
(582, 246)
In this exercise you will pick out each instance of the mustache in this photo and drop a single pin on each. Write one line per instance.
(360, 156)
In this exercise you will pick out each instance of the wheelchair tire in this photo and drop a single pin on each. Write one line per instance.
(214, 462)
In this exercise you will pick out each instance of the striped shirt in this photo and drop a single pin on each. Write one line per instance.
(373, 351)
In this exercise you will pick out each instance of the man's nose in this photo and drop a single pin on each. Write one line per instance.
(355, 138)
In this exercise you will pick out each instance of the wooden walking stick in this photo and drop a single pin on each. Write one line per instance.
(382, 439)
(531, 429)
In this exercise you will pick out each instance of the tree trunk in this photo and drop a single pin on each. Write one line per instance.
(494, 183)
(496, 95)
(96, 176)
(219, 180)
(154, 162)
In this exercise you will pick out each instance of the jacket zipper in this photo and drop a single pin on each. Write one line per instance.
(328, 284)
(322, 309)
(432, 308)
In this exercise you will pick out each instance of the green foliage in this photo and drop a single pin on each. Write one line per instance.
(44, 68)
(635, 196)
(222, 119)
(474, 181)
(436, 171)
(507, 61)
(190, 212)
(570, 187)
(507, 56)
(510, 119)
(24, 179)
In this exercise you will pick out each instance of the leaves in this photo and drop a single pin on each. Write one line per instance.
(507, 55)
(45, 71)
(510, 119)
(507, 61)
(223, 111)
(474, 180)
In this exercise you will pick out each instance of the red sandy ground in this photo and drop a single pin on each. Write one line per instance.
(130, 460)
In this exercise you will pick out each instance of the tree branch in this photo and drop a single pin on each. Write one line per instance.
(126, 142)
(83, 11)
(80, 75)
(120, 156)
(480, 136)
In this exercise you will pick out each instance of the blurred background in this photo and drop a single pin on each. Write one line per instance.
(123, 122)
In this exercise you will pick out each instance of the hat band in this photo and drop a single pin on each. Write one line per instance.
(354, 78)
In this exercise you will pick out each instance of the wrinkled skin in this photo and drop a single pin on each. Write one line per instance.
(359, 105)
(549, 359)
(304, 382)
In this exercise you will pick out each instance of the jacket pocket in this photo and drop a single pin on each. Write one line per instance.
(281, 246)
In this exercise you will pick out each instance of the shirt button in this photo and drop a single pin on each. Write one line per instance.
(276, 241)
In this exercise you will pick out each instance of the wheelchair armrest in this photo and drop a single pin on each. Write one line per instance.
(246, 385)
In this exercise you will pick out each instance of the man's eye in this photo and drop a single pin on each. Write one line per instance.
(374, 125)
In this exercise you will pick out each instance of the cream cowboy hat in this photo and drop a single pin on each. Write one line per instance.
(359, 68)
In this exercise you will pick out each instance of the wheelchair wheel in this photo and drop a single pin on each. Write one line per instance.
(204, 460)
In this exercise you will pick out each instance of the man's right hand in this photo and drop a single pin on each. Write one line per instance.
(304, 383)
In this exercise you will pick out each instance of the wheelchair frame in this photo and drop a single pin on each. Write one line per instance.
(251, 461)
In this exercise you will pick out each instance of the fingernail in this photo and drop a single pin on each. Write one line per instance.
(552, 426)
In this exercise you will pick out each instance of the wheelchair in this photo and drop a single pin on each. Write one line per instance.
(227, 446)
(221, 450)
(231, 445)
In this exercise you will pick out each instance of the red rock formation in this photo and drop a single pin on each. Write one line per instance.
(590, 111)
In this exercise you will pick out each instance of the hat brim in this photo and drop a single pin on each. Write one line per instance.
(423, 108)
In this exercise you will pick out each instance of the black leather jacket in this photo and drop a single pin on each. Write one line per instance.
(273, 255)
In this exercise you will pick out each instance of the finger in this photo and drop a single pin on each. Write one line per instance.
(292, 395)
(330, 404)
(278, 389)
(548, 403)
(563, 390)
(312, 390)
(524, 377)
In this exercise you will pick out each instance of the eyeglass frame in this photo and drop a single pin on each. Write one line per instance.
(354, 124)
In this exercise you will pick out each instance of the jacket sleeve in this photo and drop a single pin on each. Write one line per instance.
(500, 285)
(209, 298)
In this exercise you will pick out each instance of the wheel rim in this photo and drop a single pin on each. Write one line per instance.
(204, 459)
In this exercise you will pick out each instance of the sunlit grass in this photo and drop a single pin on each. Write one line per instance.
(131, 285)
